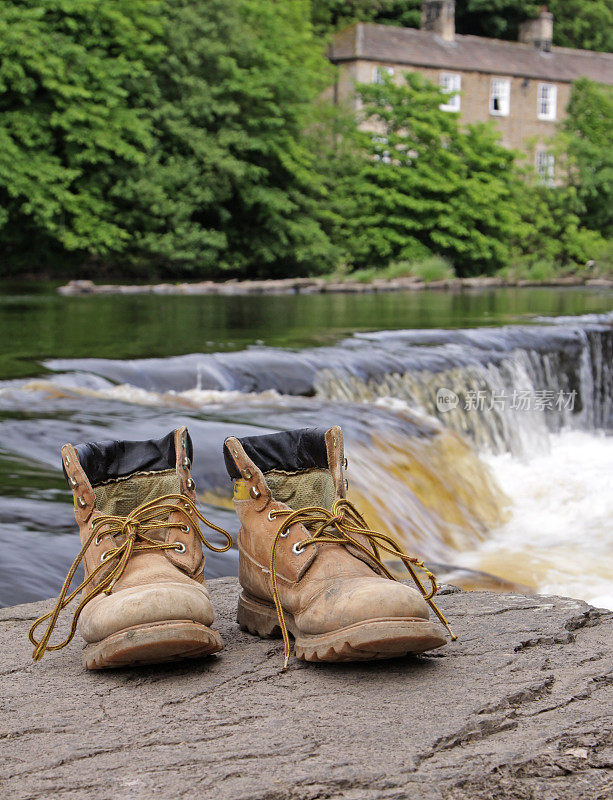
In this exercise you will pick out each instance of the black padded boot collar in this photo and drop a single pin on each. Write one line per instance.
(290, 451)
(107, 461)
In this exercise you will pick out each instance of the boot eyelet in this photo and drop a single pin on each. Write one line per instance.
(255, 492)
(74, 482)
(190, 484)
(98, 539)
(186, 462)
(296, 549)
(270, 515)
(184, 528)
(180, 547)
(82, 502)
(284, 535)
(189, 509)
(105, 555)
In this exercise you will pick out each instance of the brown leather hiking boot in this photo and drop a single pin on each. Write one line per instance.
(144, 597)
(308, 562)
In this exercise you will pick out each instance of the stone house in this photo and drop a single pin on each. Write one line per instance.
(523, 86)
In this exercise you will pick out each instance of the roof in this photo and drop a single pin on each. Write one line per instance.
(417, 48)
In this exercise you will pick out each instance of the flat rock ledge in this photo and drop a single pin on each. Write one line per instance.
(519, 707)
(316, 286)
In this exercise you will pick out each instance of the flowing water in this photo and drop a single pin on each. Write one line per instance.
(477, 424)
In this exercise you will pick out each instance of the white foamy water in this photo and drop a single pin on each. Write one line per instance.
(558, 538)
(191, 398)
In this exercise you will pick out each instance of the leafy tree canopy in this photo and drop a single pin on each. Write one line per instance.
(425, 184)
(414, 181)
(585, 145)
(230, 184)
(68, 72)
(584, 24)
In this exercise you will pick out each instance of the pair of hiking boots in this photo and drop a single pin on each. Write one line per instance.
(309, 565)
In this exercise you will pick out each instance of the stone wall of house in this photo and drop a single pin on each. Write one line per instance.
(521, 129)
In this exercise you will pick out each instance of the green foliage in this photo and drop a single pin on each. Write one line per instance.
(588, 25)
(425, 184)
(432, 268)
(334, 14)
(526, 269)
(577, 23)
(603, 260)
(189, 137)
(428, 269)
(585, 142)
(69, 71)
(162, 135)
(230, 184)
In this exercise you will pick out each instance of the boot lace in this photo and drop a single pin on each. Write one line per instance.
(339, 526)
(150, 516)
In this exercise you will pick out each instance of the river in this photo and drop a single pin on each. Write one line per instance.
(477, 423)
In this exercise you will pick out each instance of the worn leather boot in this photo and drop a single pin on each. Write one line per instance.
(144, 598)
(309, 564)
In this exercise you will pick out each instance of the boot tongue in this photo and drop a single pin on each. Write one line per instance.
(295, 466)
(298, 490)
(122, 495)
(124, 475)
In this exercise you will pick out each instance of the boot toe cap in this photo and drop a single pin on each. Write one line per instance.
(350, 601)
(145, 604)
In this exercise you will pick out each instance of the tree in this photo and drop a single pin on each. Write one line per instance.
(425, 184)
(585, 145)
(230, 185)
(160, 135)
(587, 25)
(334, 14)
(577, 23)
(68, 128)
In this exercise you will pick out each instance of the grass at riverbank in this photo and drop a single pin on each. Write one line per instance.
(435, 268)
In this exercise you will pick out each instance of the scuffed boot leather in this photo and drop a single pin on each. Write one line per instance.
(144, 596)
(308, 563)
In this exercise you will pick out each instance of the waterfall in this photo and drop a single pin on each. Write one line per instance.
(429, 420)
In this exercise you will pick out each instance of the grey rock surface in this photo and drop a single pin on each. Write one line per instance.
(519, 707)
(316, 285)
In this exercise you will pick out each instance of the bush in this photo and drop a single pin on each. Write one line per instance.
(434, 268)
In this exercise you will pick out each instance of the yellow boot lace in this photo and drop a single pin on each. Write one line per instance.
(339, 526)
(150, 516)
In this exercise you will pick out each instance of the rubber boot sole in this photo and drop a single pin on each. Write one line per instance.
(152, 644)
(383, 637)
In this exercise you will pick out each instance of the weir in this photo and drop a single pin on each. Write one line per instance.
(415, 468)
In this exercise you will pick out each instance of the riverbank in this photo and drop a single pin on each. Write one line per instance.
(319, 286)
(516, 708)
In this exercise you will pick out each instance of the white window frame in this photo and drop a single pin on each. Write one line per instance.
(547, 101)
(545, 167)
(451, 82)
(380, 71)
(500, 95)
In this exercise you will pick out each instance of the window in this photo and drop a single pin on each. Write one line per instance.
(451, 82)
(380, 73)
(545, 166)
(500, 97)
(547, 101)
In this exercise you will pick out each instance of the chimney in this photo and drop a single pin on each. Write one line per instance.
(539, 31)
(438, 16)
